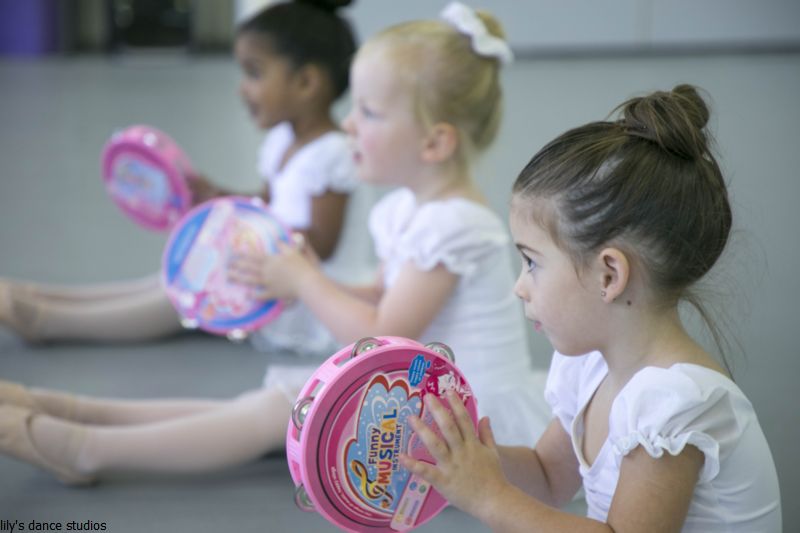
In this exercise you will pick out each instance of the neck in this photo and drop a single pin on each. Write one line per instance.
(309, 127)
(650, 338)
(442, 181)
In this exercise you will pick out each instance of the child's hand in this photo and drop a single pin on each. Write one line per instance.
(275, 276)
(467, 471)
(202, 189)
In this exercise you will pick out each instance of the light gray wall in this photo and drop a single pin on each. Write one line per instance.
(55, 116)
(537, 25)
(541, 26)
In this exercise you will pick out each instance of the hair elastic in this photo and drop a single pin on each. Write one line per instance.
(466, 21)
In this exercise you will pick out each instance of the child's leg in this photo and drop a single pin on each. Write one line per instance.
(238, 431)
(89, 292)
(144, 314)
(101, 411)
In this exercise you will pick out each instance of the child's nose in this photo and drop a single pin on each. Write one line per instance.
(347, 123)
(519, 289)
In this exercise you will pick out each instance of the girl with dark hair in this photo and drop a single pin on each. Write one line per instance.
(615, 222)
(294, 58)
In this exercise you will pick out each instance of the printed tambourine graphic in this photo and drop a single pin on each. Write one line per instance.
(145, 173)
(194, 265)
(350, 424)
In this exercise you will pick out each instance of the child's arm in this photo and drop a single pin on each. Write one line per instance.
(651, 495)
(203, 189)
(327, 219)
(549, 472)
(406, 309)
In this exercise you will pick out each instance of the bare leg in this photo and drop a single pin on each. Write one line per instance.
(238, 431)
(91, 291)
(117, 412)
(100, 411)
(137, 315)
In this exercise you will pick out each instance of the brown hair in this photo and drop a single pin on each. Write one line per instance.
(647, 182)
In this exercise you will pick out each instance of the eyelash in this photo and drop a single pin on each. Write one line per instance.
(530, 263)
(368, 113)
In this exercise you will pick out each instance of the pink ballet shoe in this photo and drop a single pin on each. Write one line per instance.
(16, 394)
(66, 405)
(15, 441)
(19, 311)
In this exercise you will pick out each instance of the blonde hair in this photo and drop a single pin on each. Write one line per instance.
(450, 82)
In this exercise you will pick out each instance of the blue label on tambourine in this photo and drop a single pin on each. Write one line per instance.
(417, 369)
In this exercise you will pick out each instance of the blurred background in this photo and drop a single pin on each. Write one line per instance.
(74, 71)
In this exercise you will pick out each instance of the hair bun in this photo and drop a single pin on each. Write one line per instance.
(674, 120)
(326, 5)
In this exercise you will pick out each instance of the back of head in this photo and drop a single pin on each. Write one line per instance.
(449, 80)
(308, 31)
(647, 183)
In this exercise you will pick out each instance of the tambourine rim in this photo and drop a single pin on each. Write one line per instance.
(116, 147)
(310, 472)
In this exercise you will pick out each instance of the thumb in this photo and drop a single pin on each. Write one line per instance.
(485, 433)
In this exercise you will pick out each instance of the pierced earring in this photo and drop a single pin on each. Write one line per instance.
(603, 294)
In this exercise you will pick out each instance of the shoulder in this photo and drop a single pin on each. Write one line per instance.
(455, 232)
(664, 409)
(326, 164)
(272, 148)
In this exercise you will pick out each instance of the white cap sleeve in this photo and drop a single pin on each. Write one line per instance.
(329, 166)
(564, 380)
(456, 233)
(666, 409)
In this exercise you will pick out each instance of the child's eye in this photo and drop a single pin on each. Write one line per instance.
(367, 112)
(530, 263)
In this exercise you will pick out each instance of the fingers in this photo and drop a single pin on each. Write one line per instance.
(245, 271)
(426, 471)
(460, 414)
(485, 433)
(435, 445)
(444, 420)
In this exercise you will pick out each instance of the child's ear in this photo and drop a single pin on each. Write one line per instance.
(440, 143)
(614, 271)
(308, 80)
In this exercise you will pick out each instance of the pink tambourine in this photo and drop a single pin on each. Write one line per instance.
(145, 173)
(350, 424)
(194, 265)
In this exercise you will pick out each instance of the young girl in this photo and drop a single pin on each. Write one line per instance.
(295, 60)
(446, 275)
(615, 222)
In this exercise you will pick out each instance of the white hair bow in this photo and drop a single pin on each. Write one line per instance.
(466, 21)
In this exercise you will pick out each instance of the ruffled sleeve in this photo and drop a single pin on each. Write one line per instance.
(456, 233)
(565, 381)
(327, 166)
(666, 409)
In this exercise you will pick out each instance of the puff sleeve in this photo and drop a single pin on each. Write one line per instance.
(667, 409)
(564, 383)
(457, 234)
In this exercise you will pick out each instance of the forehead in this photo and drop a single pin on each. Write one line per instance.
(375, 73)
(252, 46)
(526, 219)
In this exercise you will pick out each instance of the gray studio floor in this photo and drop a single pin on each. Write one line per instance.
(57, 225)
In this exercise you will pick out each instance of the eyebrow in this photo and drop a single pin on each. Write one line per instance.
(522, 248)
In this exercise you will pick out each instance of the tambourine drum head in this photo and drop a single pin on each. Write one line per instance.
(194, 266)
(353, 424)
(144, 172)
